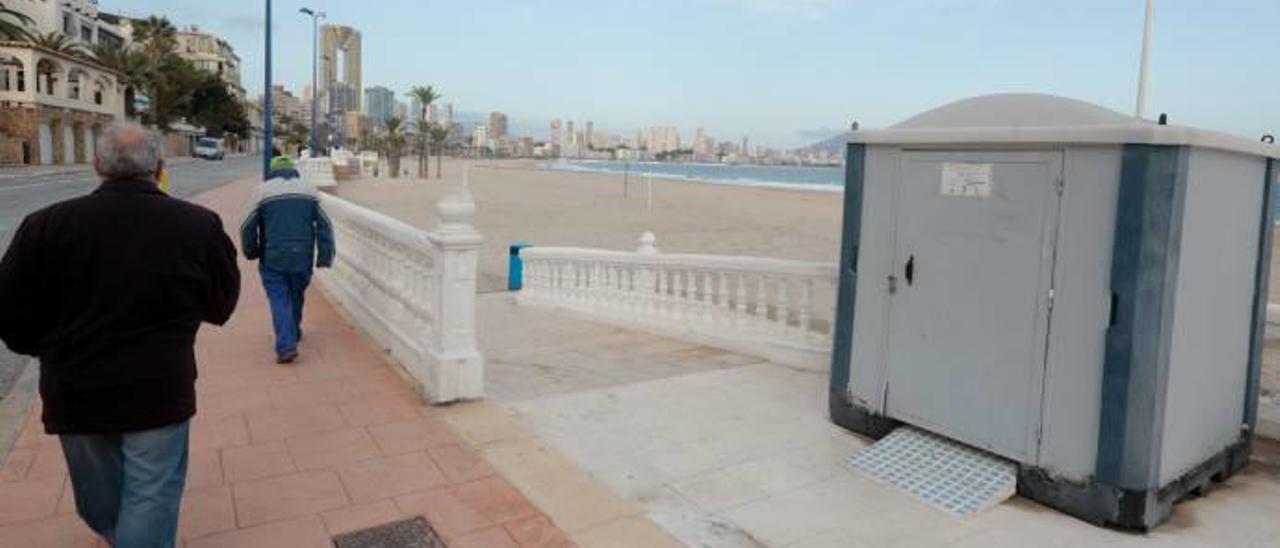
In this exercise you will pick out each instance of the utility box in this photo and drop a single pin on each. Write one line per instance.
(1076, 290)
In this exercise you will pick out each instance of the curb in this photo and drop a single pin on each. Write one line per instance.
(15, 406)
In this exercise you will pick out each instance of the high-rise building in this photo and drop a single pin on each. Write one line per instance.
(586, 141)
(554, 135)
(480, 136)
(340, 63)
(415, 110)
(448, 115)
(663, 139)
(379, 104)
(401, 110)
(570, 138)
(703, 144)
(497, 126)
(343, 98)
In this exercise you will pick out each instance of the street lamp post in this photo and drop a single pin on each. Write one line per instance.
(1143, 64)
(267, 137)
(316, 16)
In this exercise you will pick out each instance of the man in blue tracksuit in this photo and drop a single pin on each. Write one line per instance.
(286, 229)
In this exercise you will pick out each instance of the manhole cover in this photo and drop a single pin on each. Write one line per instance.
(410, 533)
(952, 476)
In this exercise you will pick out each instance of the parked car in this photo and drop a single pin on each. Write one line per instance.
(209, 149)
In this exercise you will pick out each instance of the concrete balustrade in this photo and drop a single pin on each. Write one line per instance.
(413, 291)
(318, 171)
(759, 306)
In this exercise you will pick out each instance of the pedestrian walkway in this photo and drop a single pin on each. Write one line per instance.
(727, 451)
(287, 456)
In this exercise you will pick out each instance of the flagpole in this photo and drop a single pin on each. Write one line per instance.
(1140, 111)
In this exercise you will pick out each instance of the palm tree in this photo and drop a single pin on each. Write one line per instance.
(439, 133)
(13, 24)
(425, 96)
(159, 40)
(157, 36)
(393, 141)
(131, 66)
(55, 41)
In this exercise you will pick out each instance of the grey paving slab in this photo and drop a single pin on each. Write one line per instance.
(534, 352)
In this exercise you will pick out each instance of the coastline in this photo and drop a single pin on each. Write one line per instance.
(575, 166)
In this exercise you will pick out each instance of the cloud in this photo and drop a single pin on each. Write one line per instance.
(806, 8)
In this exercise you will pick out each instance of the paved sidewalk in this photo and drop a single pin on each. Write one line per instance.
(726, 451)
(287, 456)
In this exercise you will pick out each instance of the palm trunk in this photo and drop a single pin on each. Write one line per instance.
(424, 152)
(439, 159)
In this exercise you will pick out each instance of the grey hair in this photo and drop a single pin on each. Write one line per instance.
(127, 150)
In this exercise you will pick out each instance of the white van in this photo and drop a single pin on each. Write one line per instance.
(209, 149)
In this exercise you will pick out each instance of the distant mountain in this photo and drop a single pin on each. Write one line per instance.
(833, 145)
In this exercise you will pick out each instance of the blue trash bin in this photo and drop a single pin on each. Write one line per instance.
(515, 268)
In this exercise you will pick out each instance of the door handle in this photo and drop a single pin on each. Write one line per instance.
(911, 270)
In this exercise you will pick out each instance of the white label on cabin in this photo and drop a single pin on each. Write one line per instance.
(970, 180)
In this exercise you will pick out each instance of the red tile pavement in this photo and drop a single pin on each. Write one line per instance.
(287, 456)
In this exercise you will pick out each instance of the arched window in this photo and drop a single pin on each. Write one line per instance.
(76, 78)
(100, 87)
(13, 74)
(47, 74)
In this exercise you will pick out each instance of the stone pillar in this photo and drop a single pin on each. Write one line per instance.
(460, 371)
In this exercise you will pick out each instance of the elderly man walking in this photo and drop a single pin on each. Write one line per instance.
(287, 232)
(108, 290)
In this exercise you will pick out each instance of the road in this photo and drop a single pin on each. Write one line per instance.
(21, 195)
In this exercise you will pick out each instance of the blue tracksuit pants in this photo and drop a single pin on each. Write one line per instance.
(286, 292)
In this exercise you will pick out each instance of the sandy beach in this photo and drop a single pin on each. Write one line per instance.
(517, 202)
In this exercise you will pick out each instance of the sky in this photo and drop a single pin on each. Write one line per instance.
(784, 73)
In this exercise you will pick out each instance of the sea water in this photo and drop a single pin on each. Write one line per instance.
(814, 178)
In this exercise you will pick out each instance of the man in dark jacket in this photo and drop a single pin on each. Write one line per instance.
(288, 231)
(108, 291)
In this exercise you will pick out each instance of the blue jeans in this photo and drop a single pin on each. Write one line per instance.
(128, 486)
(286, 292)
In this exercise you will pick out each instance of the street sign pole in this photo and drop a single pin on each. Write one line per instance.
(267, 138)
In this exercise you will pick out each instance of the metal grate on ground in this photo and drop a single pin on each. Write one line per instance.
(409, 533)
(947, 474)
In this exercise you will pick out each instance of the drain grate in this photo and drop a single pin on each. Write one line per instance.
(945, 473)
(410, 533)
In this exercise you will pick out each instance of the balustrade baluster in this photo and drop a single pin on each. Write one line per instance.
(741, 305)
(677, 294)
(784, 304)
(722, 311)
(806, 309)
(762, 298)
(707, 299)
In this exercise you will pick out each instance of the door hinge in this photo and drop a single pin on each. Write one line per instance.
(1061, 183)
(1050, 299)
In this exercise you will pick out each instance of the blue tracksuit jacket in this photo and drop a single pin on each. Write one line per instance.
(285, 226)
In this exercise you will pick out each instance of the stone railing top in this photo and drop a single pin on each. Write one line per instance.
(393, 229)
(649, 255)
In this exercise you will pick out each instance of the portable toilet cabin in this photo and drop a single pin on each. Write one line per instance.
(1076, 290)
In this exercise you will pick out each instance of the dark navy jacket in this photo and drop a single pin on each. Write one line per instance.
(108, 290)
(285, 226)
